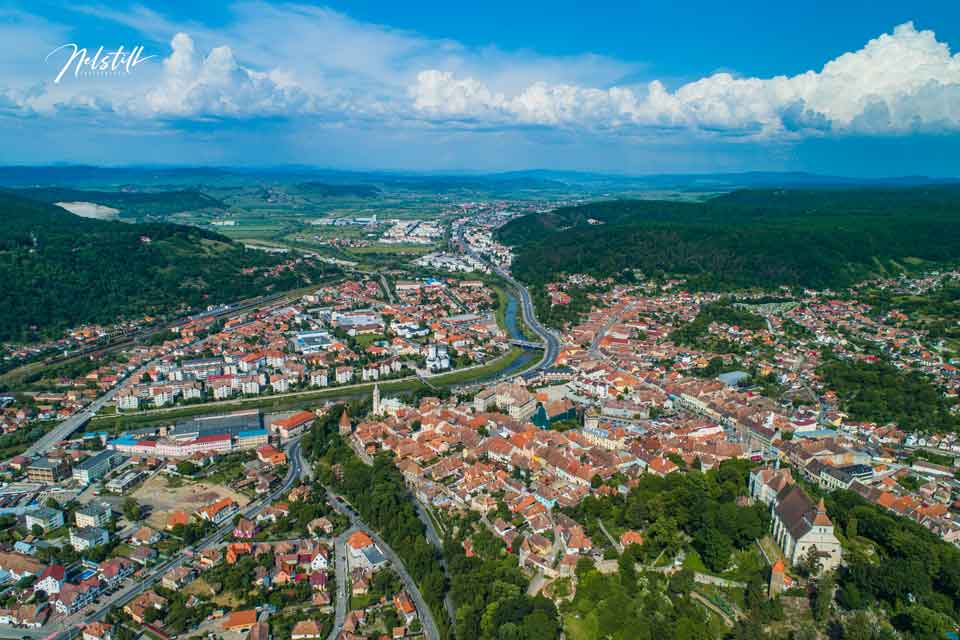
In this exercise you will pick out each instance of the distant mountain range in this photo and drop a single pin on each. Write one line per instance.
(91, 176)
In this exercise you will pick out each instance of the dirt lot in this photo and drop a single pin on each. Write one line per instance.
(190, 496)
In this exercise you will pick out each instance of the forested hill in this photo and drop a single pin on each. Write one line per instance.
(59, 270)
(814, 238)
(129, 203)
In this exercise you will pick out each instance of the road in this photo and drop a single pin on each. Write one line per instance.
(434, 539)
(154, 575)
(63, 430)
(343, 583)
(612, 320)
(549, 338)
(386, 289)
(426, 616)
(15, 633)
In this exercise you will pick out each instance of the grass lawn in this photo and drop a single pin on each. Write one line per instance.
(771, 549)
(578, 628)
(490, 369)
(369, 338)
(121, 550)
(362, 601)
(693, 562)
(415, 249)
(749, 562)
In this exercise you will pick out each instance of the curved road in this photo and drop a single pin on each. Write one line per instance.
(426, 616)
(550, 340)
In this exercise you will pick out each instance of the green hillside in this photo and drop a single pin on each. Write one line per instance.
(754, 238)
(131, 204)
(59, 270)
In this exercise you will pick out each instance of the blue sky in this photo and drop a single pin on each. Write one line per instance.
(852, 88)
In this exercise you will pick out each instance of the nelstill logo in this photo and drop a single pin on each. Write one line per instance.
(101, 64)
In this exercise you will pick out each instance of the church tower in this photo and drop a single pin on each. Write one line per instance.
(376, 400)
(345, 427)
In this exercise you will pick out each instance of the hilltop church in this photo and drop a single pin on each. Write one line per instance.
(799, 525)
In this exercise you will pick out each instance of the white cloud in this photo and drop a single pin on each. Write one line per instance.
(899, 82)
(289, 61)
(217, 85)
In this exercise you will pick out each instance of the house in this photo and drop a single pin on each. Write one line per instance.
(306, 630)
(220, 511)
(801, 527)
(45, 517)
(320, 525)
(361, 584)
(177, 577)
(318, 580)
(404, 606)
(268, 454)
(362, 552)
(210, 558)
(177, 518)
(630, 537)
(240, 620)
(137, 608)
(142, 555)
(88, 537)
(114, 570)
(245, 529)
(98, 631)
(73, 597)
(145, 535)
(51, 580)
(94, 514)
(31, 616)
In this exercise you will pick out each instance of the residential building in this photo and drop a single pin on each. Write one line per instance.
(88, 537)
(93, 514)
(48, 470)
(46, 518)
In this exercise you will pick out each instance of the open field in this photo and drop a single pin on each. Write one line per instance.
(190, 496)
(413, 249)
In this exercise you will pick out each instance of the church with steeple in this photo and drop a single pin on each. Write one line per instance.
(800, 526)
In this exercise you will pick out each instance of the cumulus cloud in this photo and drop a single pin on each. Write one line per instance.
(217, 85)
(900, 82)
(294, 61)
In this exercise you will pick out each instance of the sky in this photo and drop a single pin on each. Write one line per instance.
(844, 88)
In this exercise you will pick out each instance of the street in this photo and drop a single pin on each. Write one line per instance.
(426, 616)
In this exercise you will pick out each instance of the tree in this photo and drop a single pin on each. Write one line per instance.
(186, 468)
(810, 564)
(823, 598)
(628, 572)
(131, 509)
(715, 549)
